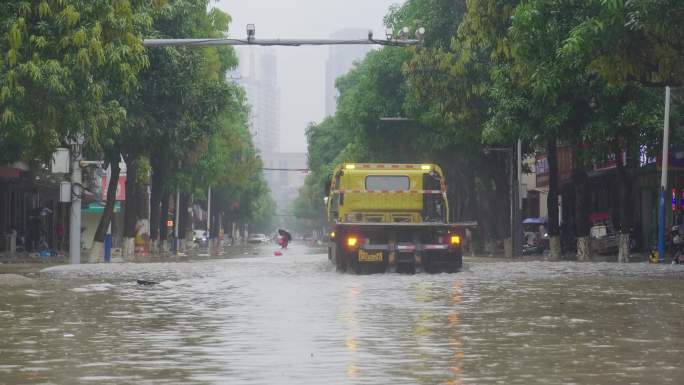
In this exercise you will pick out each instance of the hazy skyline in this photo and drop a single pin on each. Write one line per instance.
(301, 70)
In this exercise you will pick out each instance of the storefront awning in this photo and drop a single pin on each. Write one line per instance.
(98, 208)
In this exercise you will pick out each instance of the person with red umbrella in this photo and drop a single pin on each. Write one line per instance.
(284, 239)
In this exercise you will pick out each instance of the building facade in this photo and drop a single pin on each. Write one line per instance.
(258, 75)
(340, 61)
(604, 189)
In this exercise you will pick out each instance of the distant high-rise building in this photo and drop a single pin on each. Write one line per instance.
(258, 74)
(340, 61)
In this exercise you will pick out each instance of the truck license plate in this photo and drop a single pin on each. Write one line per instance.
(365, 256)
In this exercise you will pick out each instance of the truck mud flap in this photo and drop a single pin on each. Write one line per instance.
(443, 262)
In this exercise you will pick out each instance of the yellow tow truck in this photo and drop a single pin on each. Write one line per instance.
(392, 217)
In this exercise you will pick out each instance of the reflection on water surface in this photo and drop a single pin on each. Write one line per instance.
(294, 320)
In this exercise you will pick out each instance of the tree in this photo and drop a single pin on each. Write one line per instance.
(181, 98)
(64, 67)
(449, 86)
(541, 93)
(621, 40)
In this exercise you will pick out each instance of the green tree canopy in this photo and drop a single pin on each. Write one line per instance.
(64, 68)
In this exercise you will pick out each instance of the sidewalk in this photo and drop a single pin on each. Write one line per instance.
(25, 263)
(28, 263)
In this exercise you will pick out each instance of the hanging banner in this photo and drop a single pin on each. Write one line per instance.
(120, 188)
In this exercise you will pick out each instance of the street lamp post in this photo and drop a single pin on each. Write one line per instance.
(663, 178)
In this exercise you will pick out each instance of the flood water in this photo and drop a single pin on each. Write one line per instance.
(293, 319)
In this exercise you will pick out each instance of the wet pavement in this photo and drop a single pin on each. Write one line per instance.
(292, 319)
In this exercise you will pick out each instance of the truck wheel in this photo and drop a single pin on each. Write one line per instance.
(457, 265)
(339, 259)
(427, 265)
(357, 267)
(406, 268)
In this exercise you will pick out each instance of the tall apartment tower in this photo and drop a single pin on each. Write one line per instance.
(340, 61)
(258, 74)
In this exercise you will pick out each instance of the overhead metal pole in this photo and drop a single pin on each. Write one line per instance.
(276, 42)
(285, 169)
(663, 178)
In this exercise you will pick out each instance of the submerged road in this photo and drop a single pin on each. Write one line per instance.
(293, 319)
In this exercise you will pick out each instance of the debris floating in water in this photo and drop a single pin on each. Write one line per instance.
(146, 283)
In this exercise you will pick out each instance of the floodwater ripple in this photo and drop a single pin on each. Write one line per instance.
(294, 320)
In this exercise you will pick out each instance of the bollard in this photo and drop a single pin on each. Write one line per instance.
(108, 248)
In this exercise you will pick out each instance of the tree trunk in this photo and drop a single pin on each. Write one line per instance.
(131, 208)
(182, 218)
(470, 208)
(584, 248)
(156, 191)
(486, 230)
(188, 226)
(626, 211)
(182, 215)
(143, 222)
(96, 251)
(163, 219)
(501, 196)
(582, 229)
(552, 199)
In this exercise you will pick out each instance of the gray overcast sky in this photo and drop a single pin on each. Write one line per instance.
(301, 70)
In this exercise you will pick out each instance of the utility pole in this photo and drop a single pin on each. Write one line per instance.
(75, 220)
(663, 178)
(511, 186)
(176, 223)
(209, 220)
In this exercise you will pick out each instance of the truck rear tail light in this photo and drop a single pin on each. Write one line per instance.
(352, 241)
(450, 239)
